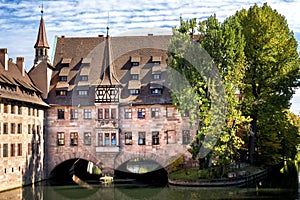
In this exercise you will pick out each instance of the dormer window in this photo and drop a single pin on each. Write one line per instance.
(157, 91)
(63, 78)
(134, 91)
(82, 92)
(84, 78)
(156, 60)
(61, 93)
(135, 61)
(134, 77)
(156, 76)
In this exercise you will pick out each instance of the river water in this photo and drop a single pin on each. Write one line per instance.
(277, 186)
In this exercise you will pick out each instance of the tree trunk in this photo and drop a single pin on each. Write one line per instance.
(252, 139)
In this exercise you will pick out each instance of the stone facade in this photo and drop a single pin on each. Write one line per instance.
(21, 126)
(117, 107)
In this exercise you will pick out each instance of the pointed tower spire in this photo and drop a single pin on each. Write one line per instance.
(109, 76)
(41, 46)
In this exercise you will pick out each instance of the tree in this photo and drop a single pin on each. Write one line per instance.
(272, 74)
(225, 45)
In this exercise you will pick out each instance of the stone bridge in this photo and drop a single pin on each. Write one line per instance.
(110, 161)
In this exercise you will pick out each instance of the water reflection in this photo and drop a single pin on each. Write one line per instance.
(279, 186)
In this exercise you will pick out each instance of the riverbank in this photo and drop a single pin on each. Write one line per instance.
(239, 179)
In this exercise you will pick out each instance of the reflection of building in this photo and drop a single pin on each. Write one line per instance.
(21, 125)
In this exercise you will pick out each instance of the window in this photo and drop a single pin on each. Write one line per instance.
(128, 113)
(113, 92)
(60, 138)
(154, 112)
(82, 92)
(60, 114)
(100, 139)
(29, 148)
(29, 129)
(128, 138)
(74, 114)
(113, 139)
(100, 113)
(12, 128)
(37, 112)
(185, 137)
(19, 128)
(13, 109)
(74, 138)
(61, 92)
(142, 138)
(87, 138)
(20, 110)
(107, 141)
(156, 91)
(5, 108)
(169, 112)
(113, 113)
(19, 149)
(156, 76)
(5, 150)
(134, 91)
(84, 78)
(29, 111)
(155, 138)
(5, 128)
(134, 77)
(63, 78)
(87, 114)
(12, 150)
(156, 62)
(141, 113)
(106, 113)
(135, 63)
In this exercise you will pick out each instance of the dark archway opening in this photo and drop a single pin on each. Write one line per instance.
(143, 171)
(64, 173)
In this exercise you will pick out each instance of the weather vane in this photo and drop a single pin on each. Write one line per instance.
(42, 10)
(107, 28)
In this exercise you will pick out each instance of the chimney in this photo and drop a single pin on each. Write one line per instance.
(4, 58)
(20, 64)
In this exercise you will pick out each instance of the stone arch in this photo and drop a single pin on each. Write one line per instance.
(123, 157)
(56, 160)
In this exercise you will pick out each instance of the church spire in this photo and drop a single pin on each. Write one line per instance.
(41, 46)
(109, 76)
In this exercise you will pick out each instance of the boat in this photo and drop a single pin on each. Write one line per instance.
(106, 179)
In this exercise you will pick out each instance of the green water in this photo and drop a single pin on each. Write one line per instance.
(278, 186)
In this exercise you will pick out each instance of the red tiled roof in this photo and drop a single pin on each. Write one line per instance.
(42, 37)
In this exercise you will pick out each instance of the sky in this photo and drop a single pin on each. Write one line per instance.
(19, 20)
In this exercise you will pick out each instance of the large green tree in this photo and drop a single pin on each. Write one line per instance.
(272, 76)
(224, 44)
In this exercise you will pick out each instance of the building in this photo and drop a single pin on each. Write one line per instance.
(110, 95)
(21, 125)
(105, 99)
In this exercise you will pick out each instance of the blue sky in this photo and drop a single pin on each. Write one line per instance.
(19, 19)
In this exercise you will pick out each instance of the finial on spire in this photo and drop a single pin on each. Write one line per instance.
(42, 10)
(107, 28)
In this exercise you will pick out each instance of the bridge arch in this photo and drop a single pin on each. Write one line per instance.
(164, 162)
(55, 161)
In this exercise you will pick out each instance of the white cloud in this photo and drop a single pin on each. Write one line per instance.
(19, 21)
